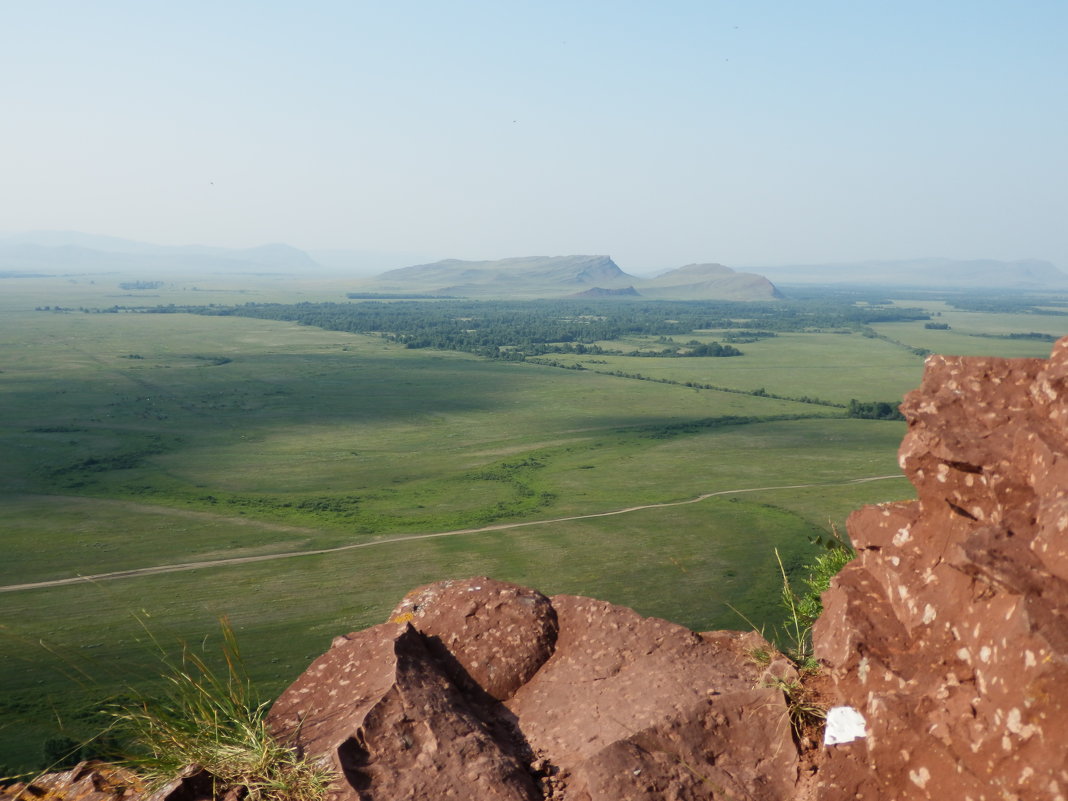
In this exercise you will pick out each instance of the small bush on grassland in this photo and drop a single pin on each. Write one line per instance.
(218, 723)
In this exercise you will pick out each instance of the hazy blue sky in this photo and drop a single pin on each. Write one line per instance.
(662, 133)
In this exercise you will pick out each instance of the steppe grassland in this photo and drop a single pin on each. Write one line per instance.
(970, 334)
(234, 449)
(832, 367)
(232, 437)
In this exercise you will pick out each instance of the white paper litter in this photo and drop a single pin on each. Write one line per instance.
(844, 725)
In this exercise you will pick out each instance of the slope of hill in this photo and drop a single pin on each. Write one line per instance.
(598, 292)
(709, 282)
(529, 276)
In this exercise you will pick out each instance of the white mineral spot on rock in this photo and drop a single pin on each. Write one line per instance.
(1014, 722)
(929, 613)
(844, 725)
(920, 777)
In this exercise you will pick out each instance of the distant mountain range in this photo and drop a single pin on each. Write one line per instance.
(70, 252)
(1024, 274)
(574, 276)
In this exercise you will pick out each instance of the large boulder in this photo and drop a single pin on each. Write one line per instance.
(494, 635)
(949, 630)
(380, 709)
(485, 689)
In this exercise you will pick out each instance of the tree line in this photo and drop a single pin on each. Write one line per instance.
(514, 330)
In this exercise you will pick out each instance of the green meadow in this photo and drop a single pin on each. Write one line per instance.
(134, 441)
(832, 367)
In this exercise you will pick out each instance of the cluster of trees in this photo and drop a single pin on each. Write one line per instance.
(691, 348)
(873, 410)
(1029, 335)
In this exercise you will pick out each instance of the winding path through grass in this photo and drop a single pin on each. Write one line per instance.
(241, 560)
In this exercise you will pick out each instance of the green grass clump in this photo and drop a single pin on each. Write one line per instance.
(803, 609)
(218, 723)
(804, 712)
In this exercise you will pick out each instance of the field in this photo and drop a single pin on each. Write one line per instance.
(137, 441)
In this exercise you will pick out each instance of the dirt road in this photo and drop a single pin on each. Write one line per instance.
(244, 560)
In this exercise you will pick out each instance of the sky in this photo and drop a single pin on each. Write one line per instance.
(745, 132)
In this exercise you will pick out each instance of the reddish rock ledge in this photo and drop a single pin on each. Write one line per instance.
(948, 632)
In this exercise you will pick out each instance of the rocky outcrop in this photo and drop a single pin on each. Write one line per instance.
(949, 630)
(485, 689)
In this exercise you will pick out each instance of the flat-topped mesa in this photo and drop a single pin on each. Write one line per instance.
(479, 688)
(948, 631)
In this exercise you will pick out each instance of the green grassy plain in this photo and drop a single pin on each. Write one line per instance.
(133, 441)
(977, 334)
(832, 367)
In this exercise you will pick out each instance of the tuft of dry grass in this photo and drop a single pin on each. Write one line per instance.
(219, 723)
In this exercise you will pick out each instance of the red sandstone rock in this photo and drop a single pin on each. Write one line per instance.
(640, 708)
(379, 708)
(948, 632)
(610, 706)
(499, 634)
